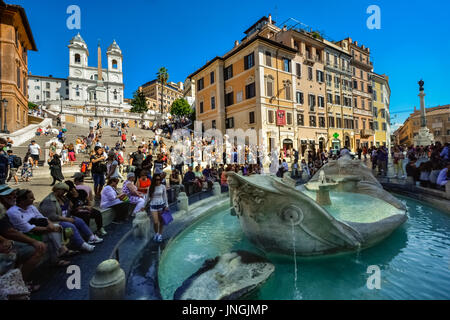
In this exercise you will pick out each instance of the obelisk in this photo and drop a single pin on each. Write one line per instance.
(424, 137)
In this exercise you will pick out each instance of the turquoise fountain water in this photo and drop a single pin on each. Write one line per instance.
(414, 261)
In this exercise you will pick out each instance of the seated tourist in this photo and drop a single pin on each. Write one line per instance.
(30, 252)
(443, 176)
(133, 194)
(56, 207)
(26, 218)
(412, 170)
(109, 196)
(143, 182)
(200, 180)
(80, 207)
(189, 180)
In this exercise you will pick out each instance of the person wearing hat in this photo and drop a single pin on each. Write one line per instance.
(56, 207)
(26, 219)
(133, 194)
(30, 252)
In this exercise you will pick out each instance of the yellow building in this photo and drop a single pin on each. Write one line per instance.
(152, 93)
(250, 87)
(380, 104)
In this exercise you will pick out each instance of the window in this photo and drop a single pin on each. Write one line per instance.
(329, 98)
(328, 58)
(337, 99)
(18, 77)
(312, 121)
(347, 102)
(363, 104)
(299, 70)
(249, 61)
(213, 103)
(77, 58)
(356, 123)
(336, 82)
(300, 119)
(375, 124)
(201, 107)
(47, 85)
(287, 90)
(375, 112)
(310, 73)
(383, 113)
(335, 61)
(329, 78)
(320, 101)
(268, 59)
(228, 72)
(229, 123)
(322, 122)
(250, 91)
(362, 86)
(355, 100)
(354, 71)
(331, 122)
(437, 133)
(200, 84)
(114, 64)
(362, 74)
(319, 76)
(239, 96)
(211, 77)
(251, 117)
(299, 96)
(311, 101)
(355, 84)
(270, 116)
(371, 125)
(213, 124)
(286, 65)
(269, 86)
(338, 122)
(229, 99)
(78, 93)
(37, 97)
(375, 95)
(289, 118)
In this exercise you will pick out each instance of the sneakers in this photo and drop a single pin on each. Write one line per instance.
(158, 238)
(87, 247)
(95, 239)
(102, 232)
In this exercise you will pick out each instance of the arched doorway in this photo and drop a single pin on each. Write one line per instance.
(288, 145)
(321, 144)
(347, 142)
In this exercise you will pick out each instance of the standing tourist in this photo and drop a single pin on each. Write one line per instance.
(98, 170)
(4, 162)
(35, 151)
(55, 169)
(14, 164)
(157, 197)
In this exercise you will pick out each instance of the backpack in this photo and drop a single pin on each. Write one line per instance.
(17, 162)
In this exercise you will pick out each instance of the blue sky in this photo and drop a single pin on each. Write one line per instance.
(413, 41)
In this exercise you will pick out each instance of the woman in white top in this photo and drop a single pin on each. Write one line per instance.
(157, 196)
(110, 196)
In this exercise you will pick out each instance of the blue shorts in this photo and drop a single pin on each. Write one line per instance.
(99, 179)
(157, 207)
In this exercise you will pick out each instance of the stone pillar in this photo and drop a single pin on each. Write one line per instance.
(108, 283)
(141, 225)
(323, 195)
(216, 189)
(183, 202)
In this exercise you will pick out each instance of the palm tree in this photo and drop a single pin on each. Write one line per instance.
(162, 77)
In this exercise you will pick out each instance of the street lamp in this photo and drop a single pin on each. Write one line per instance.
(60, 110)
(5, 106)
(95, 99)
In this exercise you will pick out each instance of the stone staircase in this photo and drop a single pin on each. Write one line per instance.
(74, 131)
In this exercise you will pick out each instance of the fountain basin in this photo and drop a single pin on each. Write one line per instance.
(268, 209)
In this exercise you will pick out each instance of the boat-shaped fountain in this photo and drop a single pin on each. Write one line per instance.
(342, 208)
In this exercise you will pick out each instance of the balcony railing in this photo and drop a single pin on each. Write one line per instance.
(367, 132)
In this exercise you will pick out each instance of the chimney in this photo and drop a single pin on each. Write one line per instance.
(415, 109)
(284, 28)
(236, 43)
(362, 47)
(356, 43)
(368, 50)
(350, 40)
(270, 18)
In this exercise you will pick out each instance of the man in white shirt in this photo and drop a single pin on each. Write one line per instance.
(35, 151)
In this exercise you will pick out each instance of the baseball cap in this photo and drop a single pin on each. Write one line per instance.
(6, 190)
(78, 176)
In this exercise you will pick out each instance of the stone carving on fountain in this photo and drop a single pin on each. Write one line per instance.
(272, 211)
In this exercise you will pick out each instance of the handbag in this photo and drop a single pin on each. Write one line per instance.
(166, 217)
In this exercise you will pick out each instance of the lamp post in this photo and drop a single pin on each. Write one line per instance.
(5, 107)
(95, 99)
(60, 110)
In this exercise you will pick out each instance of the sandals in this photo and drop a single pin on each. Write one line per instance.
(68, 254)
(62, 263)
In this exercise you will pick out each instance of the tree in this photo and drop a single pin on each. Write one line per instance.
(139, 102)
(31, 105)
(181, 107)
(163, 76)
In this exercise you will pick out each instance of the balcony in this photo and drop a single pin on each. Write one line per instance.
(364, 63)
(367, 132)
